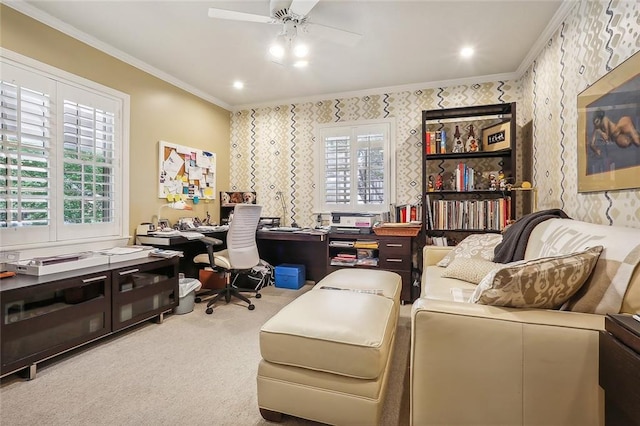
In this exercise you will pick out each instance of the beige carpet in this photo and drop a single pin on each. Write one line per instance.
(194, 369)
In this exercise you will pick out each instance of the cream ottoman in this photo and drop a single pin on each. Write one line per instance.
(326, 355)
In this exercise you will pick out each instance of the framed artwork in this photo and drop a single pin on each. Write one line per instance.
(608, 123)
(497, 137)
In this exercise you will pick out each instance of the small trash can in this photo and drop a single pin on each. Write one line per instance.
(187, 289)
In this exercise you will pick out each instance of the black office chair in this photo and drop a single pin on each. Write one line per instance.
(240, 256)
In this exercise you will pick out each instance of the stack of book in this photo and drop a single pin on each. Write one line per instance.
(165, 253)
(344, 259)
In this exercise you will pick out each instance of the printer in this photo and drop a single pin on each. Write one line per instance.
(352, 223)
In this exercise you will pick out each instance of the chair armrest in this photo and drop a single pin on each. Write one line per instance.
(210, 241)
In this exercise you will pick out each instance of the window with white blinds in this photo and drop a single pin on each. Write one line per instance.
(24, 156)
(355, 167)
(60, 155)
(89, 168)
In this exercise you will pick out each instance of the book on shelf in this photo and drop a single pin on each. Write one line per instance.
(435, 142)
(489, 214)
(438, 241)
(407, 213)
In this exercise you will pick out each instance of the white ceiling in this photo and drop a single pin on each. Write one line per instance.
(404, 43)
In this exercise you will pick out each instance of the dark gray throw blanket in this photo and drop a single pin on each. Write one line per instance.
(516, 236)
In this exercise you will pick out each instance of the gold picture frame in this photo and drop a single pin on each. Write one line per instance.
(608, 123)
(497, 137)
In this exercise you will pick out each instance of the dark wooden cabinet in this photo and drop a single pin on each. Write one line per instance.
(619, 374)
(393, 253)
(45, 315)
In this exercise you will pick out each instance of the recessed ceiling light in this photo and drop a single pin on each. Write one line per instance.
(238, 84)
(466, 52)
(277, 51)
(300, 63)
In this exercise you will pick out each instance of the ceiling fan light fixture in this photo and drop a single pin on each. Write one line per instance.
(277, 50)
(300, 50)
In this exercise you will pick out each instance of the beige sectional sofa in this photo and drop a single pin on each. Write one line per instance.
(476, 364)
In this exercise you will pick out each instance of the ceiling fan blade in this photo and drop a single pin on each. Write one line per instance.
(302, 7)
(335, 35)
(238, 16)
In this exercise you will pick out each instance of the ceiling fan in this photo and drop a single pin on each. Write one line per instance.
(293, 15)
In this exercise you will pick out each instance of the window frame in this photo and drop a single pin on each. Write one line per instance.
(59, 240)
(351, 127)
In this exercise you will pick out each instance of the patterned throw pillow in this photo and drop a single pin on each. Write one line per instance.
(544, 283)
(470, 270)
(475, 246)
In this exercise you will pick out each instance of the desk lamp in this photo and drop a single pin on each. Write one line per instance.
(176, 205)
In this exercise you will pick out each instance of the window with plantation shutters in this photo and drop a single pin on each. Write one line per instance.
(24, 156)
(89, 156)
(354, 167)
(61, 152)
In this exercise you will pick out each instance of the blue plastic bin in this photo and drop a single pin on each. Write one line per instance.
(289, 275)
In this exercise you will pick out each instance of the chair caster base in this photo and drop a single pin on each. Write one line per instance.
(198, 300)
(258, 295)
(209, 311)
(251, 307)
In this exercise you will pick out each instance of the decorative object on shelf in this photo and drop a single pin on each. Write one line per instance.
(229, 199)
(430, 184)
(493, 185)
(458, 146)
(608, 139)
(497, 137)
(439, 183)
(502, 181)
(472, 142)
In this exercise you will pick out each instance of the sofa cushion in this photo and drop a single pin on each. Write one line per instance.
(470, 270)
(475, 246)
(437, 287)
(545, 283)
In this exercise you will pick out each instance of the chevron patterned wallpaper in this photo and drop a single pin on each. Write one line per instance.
(272, 147)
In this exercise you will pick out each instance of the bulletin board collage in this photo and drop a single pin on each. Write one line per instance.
(186, 173)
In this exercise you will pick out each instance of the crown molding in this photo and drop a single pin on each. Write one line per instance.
(561, 14)
(382, 90)
(72, 31)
